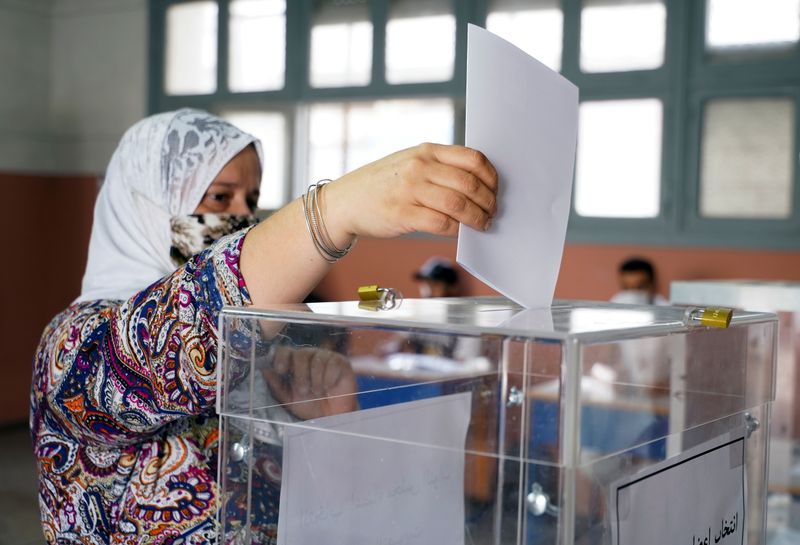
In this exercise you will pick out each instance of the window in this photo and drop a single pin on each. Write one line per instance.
(619, 35)
(345, 136)
(341, 44)
(747, 158)
(737, 24)
(618, 170)
(191, 49)
(688, 122)
(535, 26)
(420, 41)
(256, 55)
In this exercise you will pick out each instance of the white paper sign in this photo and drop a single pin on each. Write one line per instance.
(697, 498)
(372, 477)
(524, 117)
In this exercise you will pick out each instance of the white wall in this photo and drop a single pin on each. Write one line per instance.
(25, 141)
(74, 77)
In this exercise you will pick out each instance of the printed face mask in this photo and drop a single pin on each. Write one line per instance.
(194, 233)
(633, 297)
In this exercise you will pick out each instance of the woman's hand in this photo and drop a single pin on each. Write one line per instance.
(430, 188)
(312, 382)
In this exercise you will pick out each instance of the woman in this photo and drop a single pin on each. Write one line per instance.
(124, 381)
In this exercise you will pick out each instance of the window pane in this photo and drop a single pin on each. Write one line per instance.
(346, 136)
(752, 23)
(618, 171)
(191, 49)
(341, 44)
(257, 53)
(620, 35)
(747, 158)
(535, 26)
(420, 41)
(270, 128)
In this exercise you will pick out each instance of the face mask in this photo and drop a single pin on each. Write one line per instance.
(194, 233)
(633, 297)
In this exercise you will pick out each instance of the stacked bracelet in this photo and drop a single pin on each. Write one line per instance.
(316, 226)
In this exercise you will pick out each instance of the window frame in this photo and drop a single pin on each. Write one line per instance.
(688, 78)
(751, 229)
(742, 76)
(654, 83)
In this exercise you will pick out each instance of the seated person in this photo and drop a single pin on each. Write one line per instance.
(437, 278)
(637, 282)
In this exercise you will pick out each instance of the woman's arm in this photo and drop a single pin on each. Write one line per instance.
(115, 373)
(430, 188)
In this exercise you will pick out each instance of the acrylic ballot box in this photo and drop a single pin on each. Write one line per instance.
(472, 421)
(783, 511)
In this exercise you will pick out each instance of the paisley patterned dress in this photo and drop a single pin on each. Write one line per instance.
(122, 410)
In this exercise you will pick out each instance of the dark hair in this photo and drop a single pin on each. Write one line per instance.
(438, 270)
(637, 264)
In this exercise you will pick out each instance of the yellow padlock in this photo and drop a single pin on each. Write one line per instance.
(710, 317)
(373, 297)
(369, 293)
(716, 317)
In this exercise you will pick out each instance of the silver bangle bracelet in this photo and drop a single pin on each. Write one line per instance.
(312, 211)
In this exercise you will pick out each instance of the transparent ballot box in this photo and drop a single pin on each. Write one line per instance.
(473, 421)
(783, 298)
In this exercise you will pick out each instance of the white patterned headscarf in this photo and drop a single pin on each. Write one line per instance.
(161, 169)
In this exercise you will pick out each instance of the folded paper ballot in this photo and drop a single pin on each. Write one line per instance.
(524, 117)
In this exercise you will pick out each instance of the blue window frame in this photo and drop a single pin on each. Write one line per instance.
(690, 76)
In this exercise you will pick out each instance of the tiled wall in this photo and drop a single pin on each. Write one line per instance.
(74, 78)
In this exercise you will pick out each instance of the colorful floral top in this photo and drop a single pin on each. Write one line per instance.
(122, 413)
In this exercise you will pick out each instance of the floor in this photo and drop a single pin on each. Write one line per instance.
(19, 510)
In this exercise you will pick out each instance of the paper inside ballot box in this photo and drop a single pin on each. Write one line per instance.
(376, 476)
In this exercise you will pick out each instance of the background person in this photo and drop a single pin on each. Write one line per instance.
(437, 278)
(637, 282)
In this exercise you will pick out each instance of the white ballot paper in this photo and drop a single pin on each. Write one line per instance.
(531, 319)
(697, 498)
(389, 475)
(524, 117)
